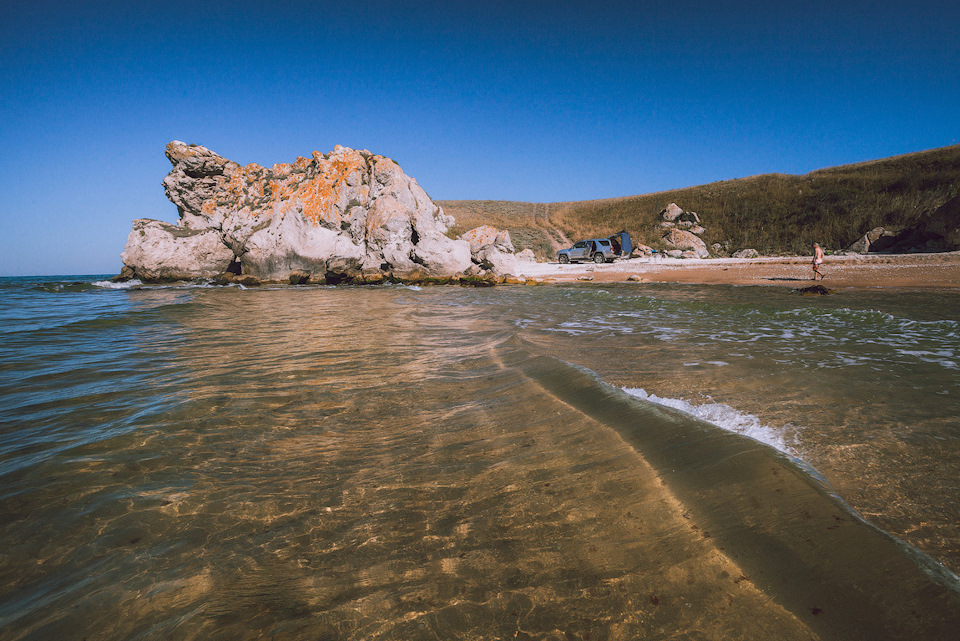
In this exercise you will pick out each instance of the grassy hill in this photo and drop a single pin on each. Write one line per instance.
(773, 213)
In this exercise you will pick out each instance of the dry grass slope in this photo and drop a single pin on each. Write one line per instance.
(773, 213)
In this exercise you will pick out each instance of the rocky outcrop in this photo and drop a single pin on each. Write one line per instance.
(641, 251)
(347, 216)
(746, 253)
(160, 251)
(877, 239)
(670, 213)
(684, 240)
(814, 290)
(682, 230)
(491, 249)
(526, 256)
(936, 231)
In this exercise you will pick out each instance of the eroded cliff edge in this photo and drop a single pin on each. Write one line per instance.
(346, 216)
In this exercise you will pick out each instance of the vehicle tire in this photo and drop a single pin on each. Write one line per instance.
(599, 258)
(563, 258)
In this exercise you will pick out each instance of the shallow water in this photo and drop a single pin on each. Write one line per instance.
(389, 462)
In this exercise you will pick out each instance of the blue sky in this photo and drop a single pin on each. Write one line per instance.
(536, 101)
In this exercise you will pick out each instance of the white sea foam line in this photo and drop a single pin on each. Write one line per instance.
(727, 418)
(111, 285)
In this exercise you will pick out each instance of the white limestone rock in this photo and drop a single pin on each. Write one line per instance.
(160, 251)
(492, 249)
(346, 212)
(684, 240)
(670, 213)
(526, 256)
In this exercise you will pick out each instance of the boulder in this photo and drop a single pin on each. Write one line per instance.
(877, 239)
(935, 231)
(719, 250)
(746, 253)
(641, 251)
(159, 251)
(670, 213)
(491, 249)
(526, 256)
(480, 237)
(814, 290)
(299, 277)
(684, 240)
(126, 274)
(339, 216)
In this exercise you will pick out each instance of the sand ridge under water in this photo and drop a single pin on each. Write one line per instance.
(395, 462)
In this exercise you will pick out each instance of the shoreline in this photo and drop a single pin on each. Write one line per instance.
(907, 271)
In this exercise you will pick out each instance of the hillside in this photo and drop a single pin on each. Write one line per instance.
(773, 213)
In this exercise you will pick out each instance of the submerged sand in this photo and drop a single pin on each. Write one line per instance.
(913, 271)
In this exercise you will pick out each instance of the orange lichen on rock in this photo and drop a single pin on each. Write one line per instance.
(321, 188)
(346, 210)
(318, 196)
(253, 189)
(481, 236)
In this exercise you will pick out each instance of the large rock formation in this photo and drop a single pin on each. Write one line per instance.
(682, 232)
(877, 239)
(936, 231)
(492, 249)
(346, 215)
(684, 240)
(670, 213)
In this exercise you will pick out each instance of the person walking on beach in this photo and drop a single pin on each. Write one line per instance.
(817, 261)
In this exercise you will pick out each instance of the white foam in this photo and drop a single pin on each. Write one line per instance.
(728, 418)
(107, 284)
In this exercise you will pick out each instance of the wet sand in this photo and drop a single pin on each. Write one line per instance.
(911, 271)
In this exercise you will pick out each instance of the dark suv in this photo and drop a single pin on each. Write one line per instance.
(599, 250)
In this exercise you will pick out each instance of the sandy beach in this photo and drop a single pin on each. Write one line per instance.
(911, 271)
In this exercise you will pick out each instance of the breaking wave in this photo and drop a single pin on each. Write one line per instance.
(730, 419)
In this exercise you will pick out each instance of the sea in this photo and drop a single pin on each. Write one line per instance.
(566, 461)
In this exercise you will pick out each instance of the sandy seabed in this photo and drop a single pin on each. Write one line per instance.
(911, 271)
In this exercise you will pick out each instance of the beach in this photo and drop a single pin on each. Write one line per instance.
(909, 271)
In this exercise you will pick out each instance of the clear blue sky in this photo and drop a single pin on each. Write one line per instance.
(536, 101)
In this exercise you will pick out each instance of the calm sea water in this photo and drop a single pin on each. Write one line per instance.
(562, 462)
